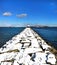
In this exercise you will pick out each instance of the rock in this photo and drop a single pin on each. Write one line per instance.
(26, 48)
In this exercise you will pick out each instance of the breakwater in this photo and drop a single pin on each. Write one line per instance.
(26, 48)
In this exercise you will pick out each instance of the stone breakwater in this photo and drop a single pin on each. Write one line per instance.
(26, 48)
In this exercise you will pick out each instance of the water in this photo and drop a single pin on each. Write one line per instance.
(6, 33)
(48, 34)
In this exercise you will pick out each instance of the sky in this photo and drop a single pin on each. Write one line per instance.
(32, 12)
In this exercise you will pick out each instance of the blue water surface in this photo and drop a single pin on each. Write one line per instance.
(6, 33)
(49, 34)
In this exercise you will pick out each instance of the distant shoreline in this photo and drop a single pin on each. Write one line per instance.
(32, 26)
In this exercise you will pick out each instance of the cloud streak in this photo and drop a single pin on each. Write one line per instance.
(21, 15)
(7, 14)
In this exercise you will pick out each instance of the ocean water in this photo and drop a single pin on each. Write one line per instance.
(6, 33)
(48, 34)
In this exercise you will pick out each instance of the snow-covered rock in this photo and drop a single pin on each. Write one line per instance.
(26, 48)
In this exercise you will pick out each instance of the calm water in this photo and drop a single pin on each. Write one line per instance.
(6, 33)
(49, 34)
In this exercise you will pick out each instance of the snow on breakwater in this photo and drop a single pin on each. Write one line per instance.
(26, 48)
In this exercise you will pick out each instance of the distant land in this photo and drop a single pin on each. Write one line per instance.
(41, 26)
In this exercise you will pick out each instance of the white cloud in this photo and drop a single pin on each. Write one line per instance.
(21, 15)
(7, 14)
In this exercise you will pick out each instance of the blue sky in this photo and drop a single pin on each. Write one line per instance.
(22, 12)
